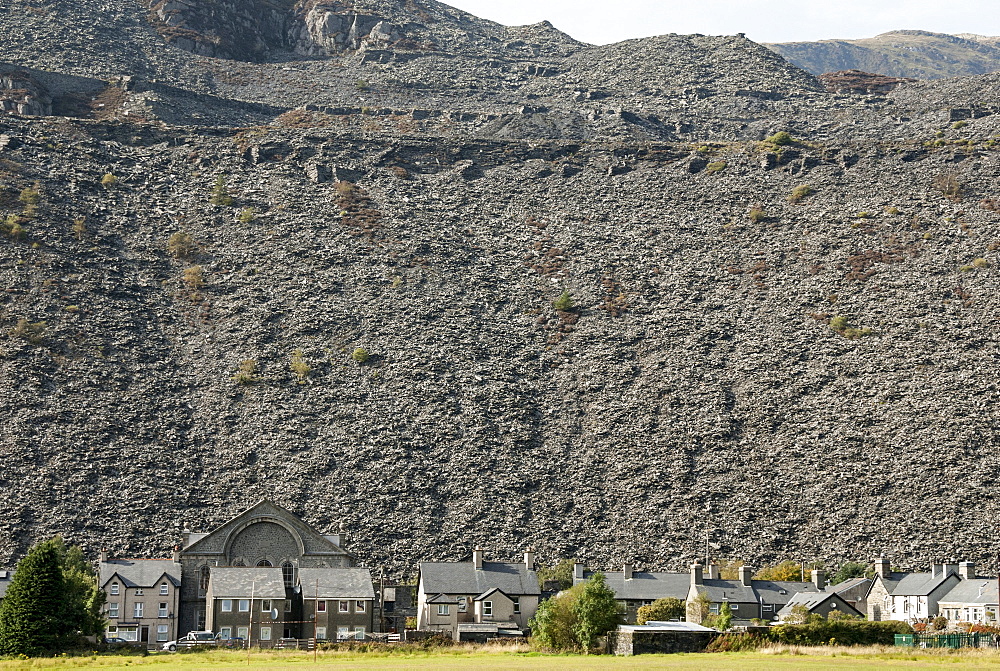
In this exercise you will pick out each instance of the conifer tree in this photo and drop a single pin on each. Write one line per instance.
(32, 614)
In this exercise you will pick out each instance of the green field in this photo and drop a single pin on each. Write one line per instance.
(802, 658)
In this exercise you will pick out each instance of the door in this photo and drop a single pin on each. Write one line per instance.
(144, 634)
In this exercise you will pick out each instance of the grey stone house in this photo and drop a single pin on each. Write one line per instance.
(342, 600)
(494, 596)
(143, 597)
(635, 589)
(909, 596)
(265, 536)
(824, 603)
(748, 599)
(252, 604)
(973, 600)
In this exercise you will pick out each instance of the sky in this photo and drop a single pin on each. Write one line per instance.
(761, 20)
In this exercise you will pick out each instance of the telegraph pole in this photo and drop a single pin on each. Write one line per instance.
(253, 588)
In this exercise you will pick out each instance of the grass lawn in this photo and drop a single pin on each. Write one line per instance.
(788, 658)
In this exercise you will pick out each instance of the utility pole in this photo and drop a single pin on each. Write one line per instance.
(253, 588)
(316, 622)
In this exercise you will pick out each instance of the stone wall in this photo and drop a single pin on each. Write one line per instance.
(627, 643)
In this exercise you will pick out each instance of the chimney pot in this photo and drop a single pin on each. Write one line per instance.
(697, 574)
(627, 572)
(529, 559)
(103, 556)
(477, 558)
(713, 571)
(746, 574)
(177, 554)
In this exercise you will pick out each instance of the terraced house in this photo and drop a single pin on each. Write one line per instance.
(143, 596)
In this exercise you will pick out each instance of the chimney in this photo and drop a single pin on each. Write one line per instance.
(477, 558)
(745, 575)
(713, 571)
(967, 570)
(882, 567)
(696, 574)
(935, 570)
(949, 569)
(819, 580)
(103, 556)
(529, 559)
(177, 554)
(627, 572)
(185, 537)
(577, 571)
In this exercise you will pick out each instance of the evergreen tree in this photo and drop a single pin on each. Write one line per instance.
(84, 599)
(32, 614)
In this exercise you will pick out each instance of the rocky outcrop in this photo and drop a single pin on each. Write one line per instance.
(20, 94)
(856, 81)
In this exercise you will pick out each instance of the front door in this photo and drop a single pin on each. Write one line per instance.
(144, 634)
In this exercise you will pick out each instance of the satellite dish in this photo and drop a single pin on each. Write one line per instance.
(274, 613)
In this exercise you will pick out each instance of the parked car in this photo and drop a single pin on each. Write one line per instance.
(193, 638)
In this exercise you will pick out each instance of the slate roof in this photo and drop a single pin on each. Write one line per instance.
(441, 598)
(237, 582)
(337, 583)
(5, 578)
(647, 586)
(780, 591)
(140, 572)
(728, 590)
(463, 578)
(488, 593)
(848, 584)
(975, 591)
(917, 584)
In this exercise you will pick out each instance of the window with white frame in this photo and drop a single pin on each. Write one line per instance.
(343, 607)
(227, 606)
(162, 610)
(517, 604)
(360, 606)
(244, 605)
(321, 633)
(265, 633)
(162, 632)
(114, 589)
(242, 632)
(137, 609)
(767, 608)
(128, 633)
(359, 633)
(113, 610)
(138, 591)
(462, 604)
(200, 617)
(112, 631)
(713, 609)
(487, 609)
(444, 609)
(734, 606)
(226, 633)
(343, 633)
(321, 606)
(164, 590)
(265, 605)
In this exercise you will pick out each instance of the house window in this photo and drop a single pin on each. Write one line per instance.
(342, 633)
(128, 633)
(359, 633)
(113, 610)
(288, 573)
(162, 610)
(342, 607)
(201, 620)
(321, 606)
(244, 605)
(767, 607)
(517, 605)
(321, 633)
(227, 606)
(137, 609)
(226, 633)
(203, 579)
(242, 632)
(138, 591)
(239, 562)
(462, 604)
(114, 589)
(265, 633)
(444, 609)
(162, 633)
(288, 605)
(265, 605)
(264, 563)
(487, 609)
(360, 606)
(112, 632)
(714, 609)
(734, 606)
(164, 589)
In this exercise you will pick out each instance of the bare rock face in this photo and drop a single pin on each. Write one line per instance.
(857, 81)
(20, 94)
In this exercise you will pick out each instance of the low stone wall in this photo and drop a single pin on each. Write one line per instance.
(627, 643)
